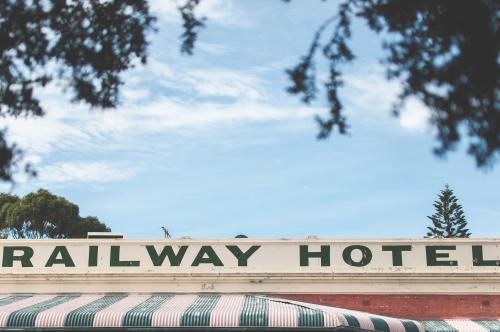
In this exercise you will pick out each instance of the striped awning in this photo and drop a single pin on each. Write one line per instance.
(186, 310)
(461, 325)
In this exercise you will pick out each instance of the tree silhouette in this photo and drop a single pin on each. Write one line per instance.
(84, 45)
(44, 215)
(449, 220)
(445, 52)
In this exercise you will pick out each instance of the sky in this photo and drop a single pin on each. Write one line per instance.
(212, 145)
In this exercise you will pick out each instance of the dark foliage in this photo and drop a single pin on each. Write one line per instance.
(191, 25)
(449, 218)
(445, 52)
(44, 215)
(85, 44)
(8, 155)
(85, 225)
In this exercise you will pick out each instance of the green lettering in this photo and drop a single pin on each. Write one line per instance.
(173, 258)
(211, 258)
(242, 256)
(366, 255)
(93, 251)
(478, 259)
(323, 255)
(433, 255)
(24, 258)
(115, 258)
(65, 257)
(397, 253)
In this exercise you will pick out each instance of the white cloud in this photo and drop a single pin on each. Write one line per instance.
(135, 94)
(170, 114)
(146, 111)
(32, 159)
(94, 171)
(147, 114)
(40, 135)
(165, 8)
(216, 82)
(224, 12)
(213, 48)
(371, 93)
(141, 121)
(367, 89)
(415, 116)
(224, 83)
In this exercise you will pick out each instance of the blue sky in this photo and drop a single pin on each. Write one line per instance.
(212, 145)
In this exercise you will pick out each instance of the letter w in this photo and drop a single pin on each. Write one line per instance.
(174, 259)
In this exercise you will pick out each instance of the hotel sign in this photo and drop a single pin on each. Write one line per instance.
(60, 256)
(260, 265)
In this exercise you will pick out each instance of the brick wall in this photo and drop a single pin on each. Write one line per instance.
(413, 306)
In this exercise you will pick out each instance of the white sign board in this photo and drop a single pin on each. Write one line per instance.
(252, 264)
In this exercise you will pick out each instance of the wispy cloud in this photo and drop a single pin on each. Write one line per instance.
(367, 90)
(133, 95)
(159, 101)
(214, 48)
(224, 83)
(92, 171)
(416, 116)
(214, 82)
(224, 12)
(145, 116)
(147, 113)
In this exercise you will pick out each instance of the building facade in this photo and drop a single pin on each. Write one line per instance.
(412, 278)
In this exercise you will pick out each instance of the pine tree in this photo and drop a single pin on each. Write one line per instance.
(449, 219)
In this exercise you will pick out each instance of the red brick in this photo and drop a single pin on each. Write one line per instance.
(413, 306)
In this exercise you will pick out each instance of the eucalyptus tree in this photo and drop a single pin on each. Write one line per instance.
(42, 214)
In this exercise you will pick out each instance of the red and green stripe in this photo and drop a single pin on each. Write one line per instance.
(190, 310)
(26, 317)
(84, 316)
(142, 314)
